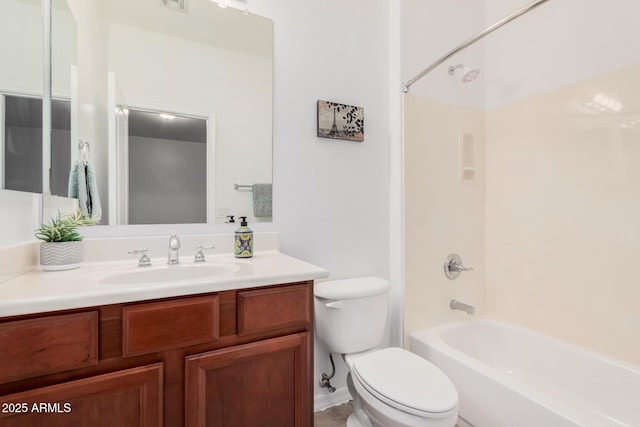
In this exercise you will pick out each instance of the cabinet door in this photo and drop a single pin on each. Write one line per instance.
(132, 397)
(265, 383)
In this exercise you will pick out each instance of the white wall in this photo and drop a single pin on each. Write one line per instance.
(19, 216)
(430, 29)
(21, 47)
(63, 39)
(558, 43)
(331, 197)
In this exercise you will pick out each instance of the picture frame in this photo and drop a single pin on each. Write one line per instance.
(340, 121)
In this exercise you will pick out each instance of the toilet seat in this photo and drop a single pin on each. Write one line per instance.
(406, 382)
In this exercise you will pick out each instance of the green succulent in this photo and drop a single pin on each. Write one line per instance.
(64, 227)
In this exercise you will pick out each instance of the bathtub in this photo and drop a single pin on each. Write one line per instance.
(509, 376)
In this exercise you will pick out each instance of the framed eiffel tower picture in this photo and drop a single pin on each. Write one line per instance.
(340, 121)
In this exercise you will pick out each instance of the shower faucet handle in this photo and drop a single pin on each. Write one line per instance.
(460, 268)
(453, 266)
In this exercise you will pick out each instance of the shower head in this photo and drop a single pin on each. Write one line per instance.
(466, 74)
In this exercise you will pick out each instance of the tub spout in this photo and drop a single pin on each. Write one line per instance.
(457, 305)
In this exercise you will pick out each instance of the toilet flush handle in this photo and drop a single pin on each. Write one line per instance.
(335, 304)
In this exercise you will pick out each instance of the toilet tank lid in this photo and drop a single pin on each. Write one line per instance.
(351, 288)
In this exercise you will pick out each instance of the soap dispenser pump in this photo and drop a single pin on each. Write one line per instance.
(244, 240)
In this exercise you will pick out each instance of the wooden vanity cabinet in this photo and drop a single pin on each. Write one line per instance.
(231, 358)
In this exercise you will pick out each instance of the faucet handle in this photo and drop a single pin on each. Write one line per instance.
(174, 241)
(459, 267)
(144, 260)
(453, 266)
(200, 254)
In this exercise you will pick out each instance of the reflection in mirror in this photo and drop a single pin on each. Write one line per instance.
(20, 78)
(198, 62)
(23, 144)
(166, 179)
(60, 147)
(63, 61)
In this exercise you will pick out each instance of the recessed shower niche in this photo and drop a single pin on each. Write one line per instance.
(466, 157)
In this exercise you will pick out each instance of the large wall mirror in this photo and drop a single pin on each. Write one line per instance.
(169, 101)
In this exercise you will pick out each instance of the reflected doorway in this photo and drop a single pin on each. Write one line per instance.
(163, 162)
(21, 144)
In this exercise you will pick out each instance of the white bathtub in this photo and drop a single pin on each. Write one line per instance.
(509, 376)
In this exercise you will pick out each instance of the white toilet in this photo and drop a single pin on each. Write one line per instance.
(390, 387)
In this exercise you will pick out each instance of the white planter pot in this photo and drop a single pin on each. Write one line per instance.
(56, 256)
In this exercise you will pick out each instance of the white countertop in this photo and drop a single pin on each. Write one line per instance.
(38, 291)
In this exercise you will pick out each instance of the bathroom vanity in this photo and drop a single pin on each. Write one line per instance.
(239, 354)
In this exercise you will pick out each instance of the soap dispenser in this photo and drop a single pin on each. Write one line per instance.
(244, 240)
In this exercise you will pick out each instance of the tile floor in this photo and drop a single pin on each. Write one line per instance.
(336, 416)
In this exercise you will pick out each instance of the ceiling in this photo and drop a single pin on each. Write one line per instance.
(204, 21)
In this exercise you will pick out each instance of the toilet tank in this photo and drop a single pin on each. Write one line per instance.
(351, 314)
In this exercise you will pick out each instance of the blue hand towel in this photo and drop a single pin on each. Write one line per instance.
(262, 200)
(83, 186)
(93, 198)
(73, 182)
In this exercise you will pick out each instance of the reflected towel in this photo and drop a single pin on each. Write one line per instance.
(84, 187)
(262, 200)
(73, 182)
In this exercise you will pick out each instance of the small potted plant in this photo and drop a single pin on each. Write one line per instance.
(61, 248)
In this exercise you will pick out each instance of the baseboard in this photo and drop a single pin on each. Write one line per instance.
(327, 400)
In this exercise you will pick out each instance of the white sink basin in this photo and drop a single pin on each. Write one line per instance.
(188, 273)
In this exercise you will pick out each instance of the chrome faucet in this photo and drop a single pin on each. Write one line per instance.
(453, 266)
(174, 247)
(457, 305)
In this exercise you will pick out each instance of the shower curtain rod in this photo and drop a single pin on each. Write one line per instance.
(472, 40)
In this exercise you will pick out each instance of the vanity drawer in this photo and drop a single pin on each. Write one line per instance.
(262, 310)
(164, 325)
(47, 345)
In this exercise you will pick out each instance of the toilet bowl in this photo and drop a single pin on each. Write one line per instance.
(391, 387)
(397, 388)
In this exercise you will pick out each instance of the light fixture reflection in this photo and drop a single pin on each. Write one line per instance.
(602, 103)
(167, 116)
(234, 4)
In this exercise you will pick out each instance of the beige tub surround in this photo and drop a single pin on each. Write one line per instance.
(562, 212)
(444, 213)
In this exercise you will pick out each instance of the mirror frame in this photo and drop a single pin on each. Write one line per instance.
(47, 18)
